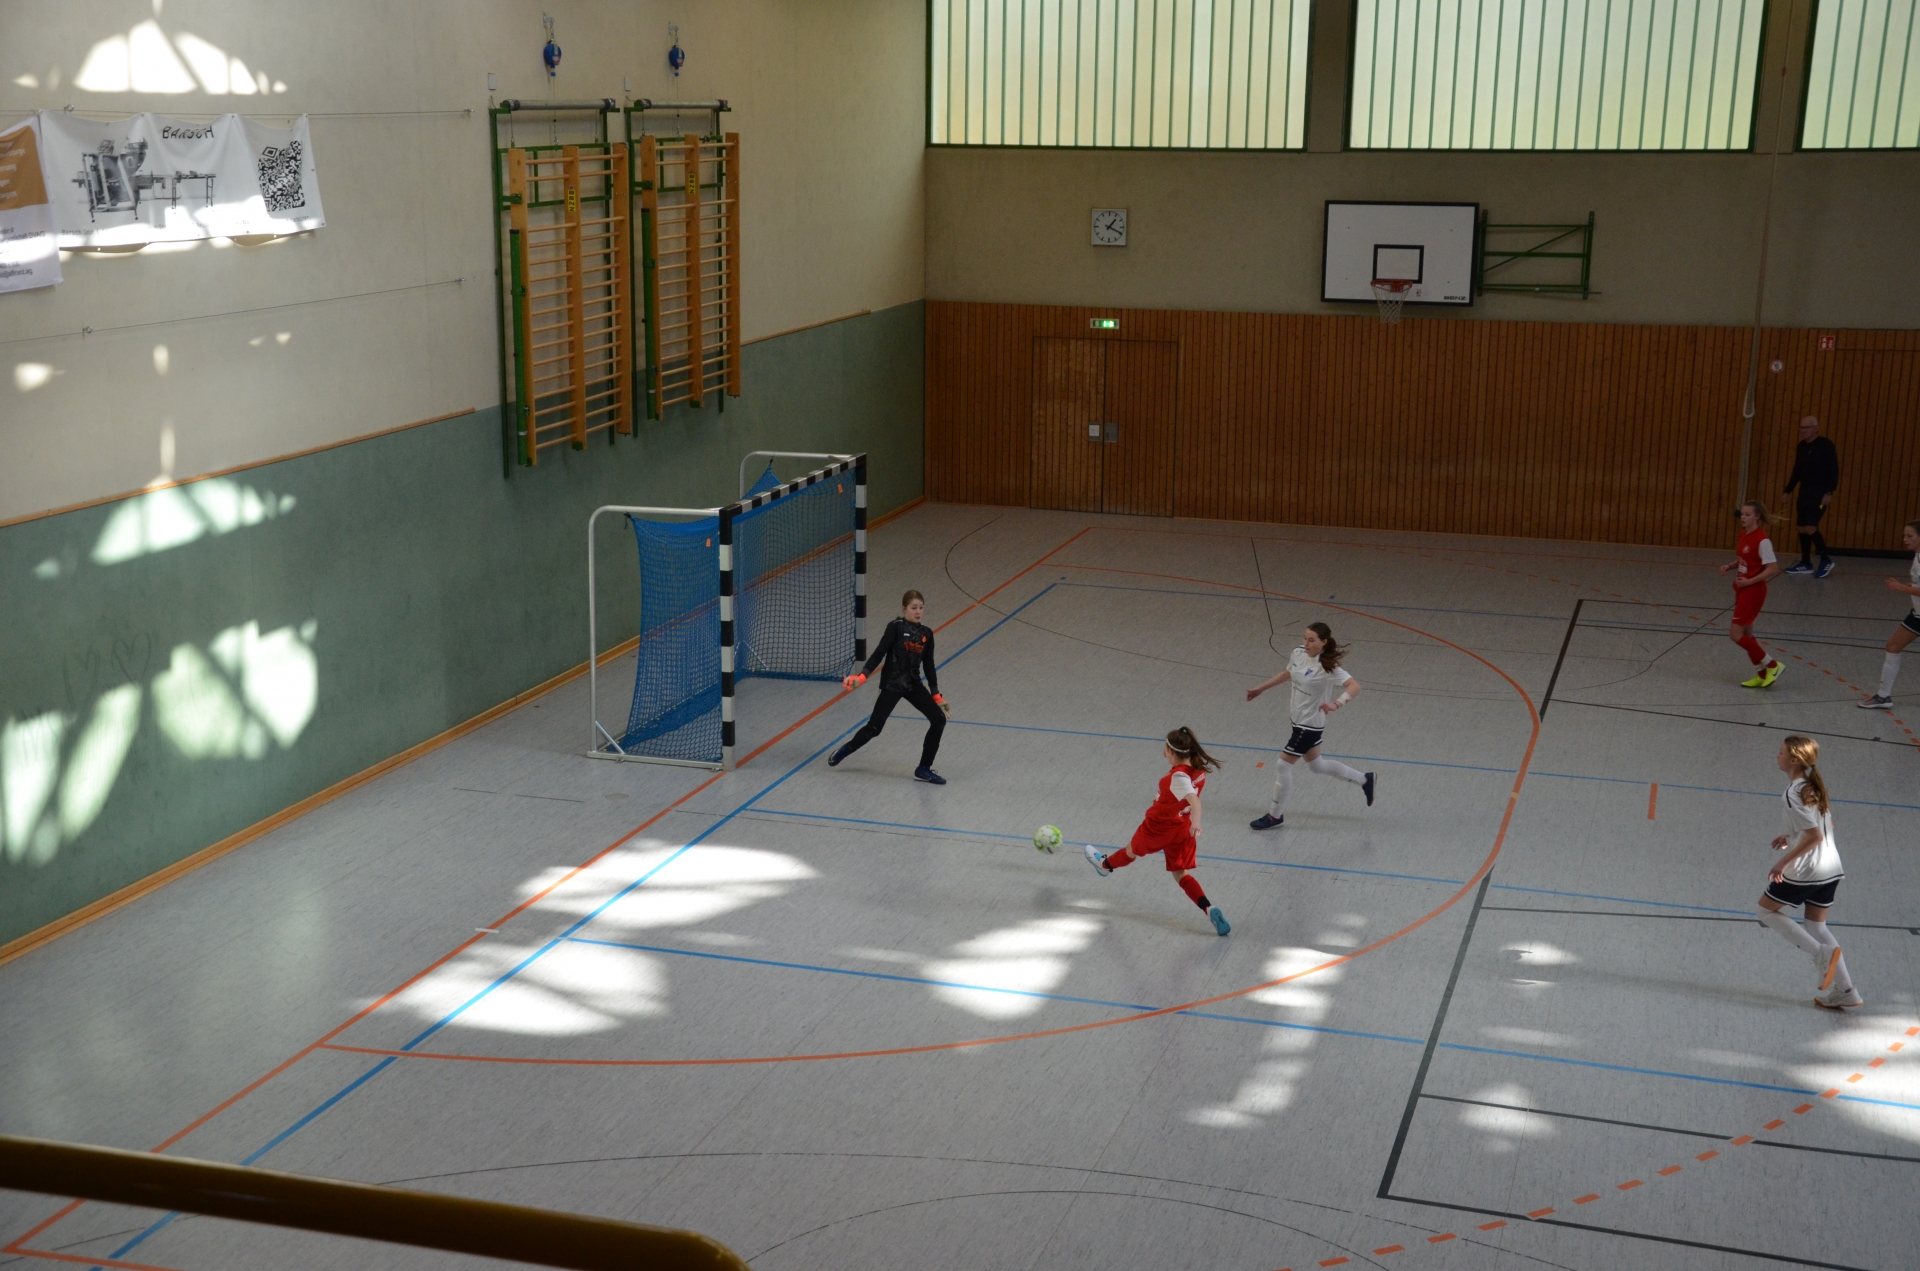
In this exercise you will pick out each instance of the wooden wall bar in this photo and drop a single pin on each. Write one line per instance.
(1613, 433)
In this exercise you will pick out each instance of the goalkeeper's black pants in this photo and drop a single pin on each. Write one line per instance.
(921, 701)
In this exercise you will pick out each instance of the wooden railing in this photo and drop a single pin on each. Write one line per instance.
(390, 1214)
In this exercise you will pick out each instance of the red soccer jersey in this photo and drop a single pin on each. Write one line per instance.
(1170, 808)
(1755, 551)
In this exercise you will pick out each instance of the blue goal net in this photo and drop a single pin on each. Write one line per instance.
(793, 586)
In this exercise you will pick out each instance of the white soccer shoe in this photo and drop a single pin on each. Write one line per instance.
(1840, 999)
(1098, 861)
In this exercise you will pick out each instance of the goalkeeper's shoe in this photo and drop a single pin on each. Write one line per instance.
(929, 776)
(833, 760)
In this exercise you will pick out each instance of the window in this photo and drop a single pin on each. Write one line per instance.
(1169, 74)
(1863, 77)
(1554, 74)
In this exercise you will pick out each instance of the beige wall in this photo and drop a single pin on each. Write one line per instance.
(1677, 236)
(278, 348)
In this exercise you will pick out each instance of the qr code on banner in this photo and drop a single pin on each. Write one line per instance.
(280, 182)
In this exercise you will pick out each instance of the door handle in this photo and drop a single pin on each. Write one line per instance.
(1112, 433)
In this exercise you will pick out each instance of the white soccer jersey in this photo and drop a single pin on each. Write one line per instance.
(1822, 864)
(1311, 686)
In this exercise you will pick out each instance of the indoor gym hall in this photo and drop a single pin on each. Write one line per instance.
(336, 930)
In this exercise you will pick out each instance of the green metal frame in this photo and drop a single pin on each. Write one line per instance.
(1556, 235)
(648, 267)
(509, 260)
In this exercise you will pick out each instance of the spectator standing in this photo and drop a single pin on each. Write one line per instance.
(1816, 470)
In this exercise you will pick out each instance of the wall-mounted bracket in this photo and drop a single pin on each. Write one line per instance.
(1506, 250)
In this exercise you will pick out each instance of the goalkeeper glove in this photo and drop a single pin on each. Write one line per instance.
(853, 681)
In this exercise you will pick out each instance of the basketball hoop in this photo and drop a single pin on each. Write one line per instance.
(1390, 294)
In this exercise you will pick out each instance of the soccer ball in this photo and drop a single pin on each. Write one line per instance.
(1046, 838)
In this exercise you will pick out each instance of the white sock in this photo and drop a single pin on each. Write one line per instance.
(1889, 672)
(1792, 931)
(1818, 930)
(1334, 768)
(1282, 786)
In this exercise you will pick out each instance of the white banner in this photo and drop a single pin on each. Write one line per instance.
(29, 252)
(150, 179)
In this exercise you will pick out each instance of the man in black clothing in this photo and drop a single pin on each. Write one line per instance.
(1816, 470)
(907, 649)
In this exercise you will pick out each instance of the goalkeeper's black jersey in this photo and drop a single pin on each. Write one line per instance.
(907, 649)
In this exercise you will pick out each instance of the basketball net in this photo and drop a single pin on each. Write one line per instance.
(1391, 294)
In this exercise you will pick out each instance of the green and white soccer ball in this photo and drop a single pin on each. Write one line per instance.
(1046, 838)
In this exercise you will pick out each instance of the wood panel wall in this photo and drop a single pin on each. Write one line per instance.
(1589, 431)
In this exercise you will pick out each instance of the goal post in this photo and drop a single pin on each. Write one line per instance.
(773, 585)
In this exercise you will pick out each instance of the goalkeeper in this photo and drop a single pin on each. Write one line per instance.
(907, 650)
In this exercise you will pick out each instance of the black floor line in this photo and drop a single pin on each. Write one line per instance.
(1864, 642)
(1770, 611)
(1623, 913)
(1433, 1039)
(1522, 1219)
(1576, 1116)
(1670, 1129)
(1546, 699)
(1737, 723)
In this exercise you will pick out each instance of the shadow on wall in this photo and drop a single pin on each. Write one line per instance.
(238, 697)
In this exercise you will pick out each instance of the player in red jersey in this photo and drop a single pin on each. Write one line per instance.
(1753, 563)
(1172, 824)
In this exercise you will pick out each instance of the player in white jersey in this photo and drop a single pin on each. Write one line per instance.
(1809, 874)
(1903, 634)
(1316, 675)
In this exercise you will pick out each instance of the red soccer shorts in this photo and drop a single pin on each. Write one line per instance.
(1175, 840)
(1747, 602)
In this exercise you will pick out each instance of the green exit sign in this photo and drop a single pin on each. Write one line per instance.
(1104, 324)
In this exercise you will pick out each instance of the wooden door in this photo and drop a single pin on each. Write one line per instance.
(1069, 379)
(1141, 393)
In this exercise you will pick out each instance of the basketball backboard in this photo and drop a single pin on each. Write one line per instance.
(1430, 245)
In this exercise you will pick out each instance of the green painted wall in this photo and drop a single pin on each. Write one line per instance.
(425, 586)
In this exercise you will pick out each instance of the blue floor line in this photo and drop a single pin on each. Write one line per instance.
(1621, 900)
(567, 935)
(1213, 1015)
(1333, 869)
(1238, 860)
(1225, 745)
(866, 975)
(1363, 606)
(1109, 847)
(550, 945)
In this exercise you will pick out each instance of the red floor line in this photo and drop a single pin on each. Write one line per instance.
(501, 921)
(1499, 840)
(86, 1262)
(1653, 798)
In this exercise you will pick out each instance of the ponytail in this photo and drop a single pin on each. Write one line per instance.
(1805, 751)
(1183, 743)
(1330, 652)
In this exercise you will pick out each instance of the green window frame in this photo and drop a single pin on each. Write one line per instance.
(1554, 74)
(1121, 74)
(1863, 76)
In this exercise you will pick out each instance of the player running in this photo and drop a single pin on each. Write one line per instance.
(1317, 675)
(1903, 634)
(1809, 874)
(1753, 563)
(907, 649)
(1172, 823)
